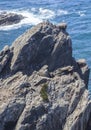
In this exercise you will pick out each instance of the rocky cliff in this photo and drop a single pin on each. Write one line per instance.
(42, 87)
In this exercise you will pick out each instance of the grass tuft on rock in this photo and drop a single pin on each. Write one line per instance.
(43, 92)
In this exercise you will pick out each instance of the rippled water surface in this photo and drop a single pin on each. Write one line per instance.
(76, 13)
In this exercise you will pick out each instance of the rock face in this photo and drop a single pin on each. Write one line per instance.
(9, 18)
(42, 87)
(43, 44)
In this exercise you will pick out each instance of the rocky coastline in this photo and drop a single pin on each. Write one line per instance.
(42, 87)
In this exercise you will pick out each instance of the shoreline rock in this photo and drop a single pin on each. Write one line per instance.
(39, 66)
(9, 18)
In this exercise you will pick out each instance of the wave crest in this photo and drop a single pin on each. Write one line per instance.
(33, 17)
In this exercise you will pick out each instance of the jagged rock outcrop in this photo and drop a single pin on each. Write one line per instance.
(9, 18)
(42, 87)
(42, 45)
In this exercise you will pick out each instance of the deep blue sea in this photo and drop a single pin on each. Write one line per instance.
(77, 14)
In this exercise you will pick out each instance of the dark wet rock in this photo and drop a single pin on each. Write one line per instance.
(9, 18)
(41, 57)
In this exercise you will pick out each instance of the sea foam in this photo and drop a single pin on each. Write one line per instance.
(33, 17)
(81, 13)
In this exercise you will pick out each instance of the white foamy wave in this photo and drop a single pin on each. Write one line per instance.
(81, 13)
(62, 12)
(46, 13)
(30, 19)
(10, 27)
(33, 17)
(33, 9)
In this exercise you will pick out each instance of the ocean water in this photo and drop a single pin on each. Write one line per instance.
(77, 14)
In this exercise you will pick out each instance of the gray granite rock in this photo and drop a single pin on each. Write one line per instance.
(43, 44)
(5, 55)
(41, 86)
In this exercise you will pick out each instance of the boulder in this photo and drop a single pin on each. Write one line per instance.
(62, 26)
(9, 18)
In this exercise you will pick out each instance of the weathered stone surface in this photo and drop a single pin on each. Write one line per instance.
(9, 18)
(43, 57)
(44, 71)
(5, 55)
(62, 26)
(85, 71)
(43, 44)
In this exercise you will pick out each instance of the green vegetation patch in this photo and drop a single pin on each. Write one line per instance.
(44, 93)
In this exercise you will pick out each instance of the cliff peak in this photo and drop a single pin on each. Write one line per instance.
(42, 87)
